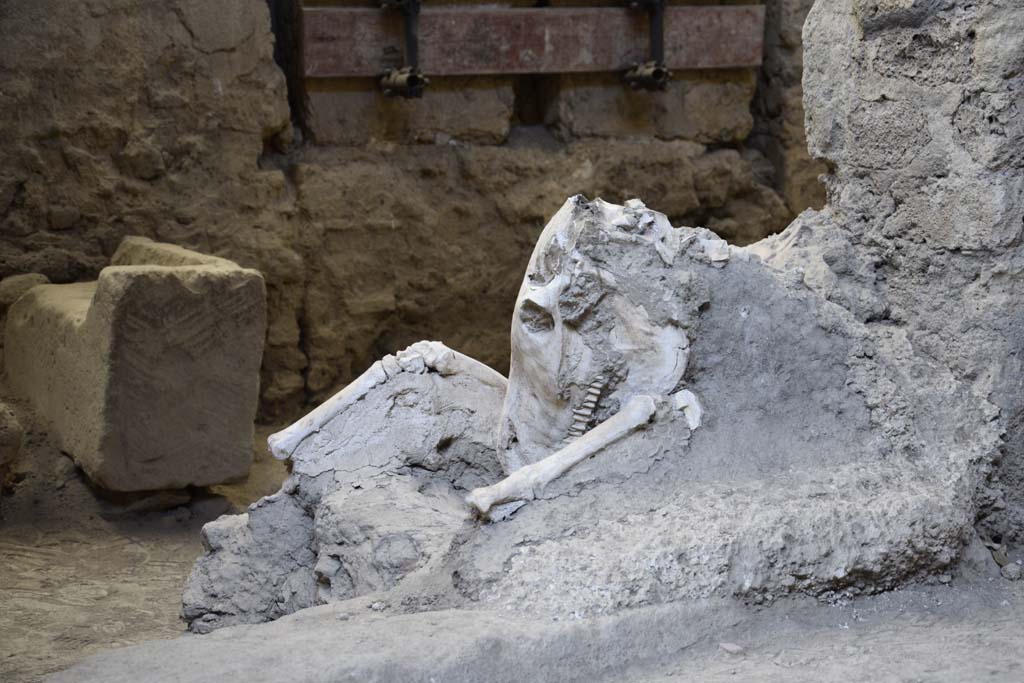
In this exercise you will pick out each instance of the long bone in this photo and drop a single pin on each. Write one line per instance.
(420, 357)
(528, 481)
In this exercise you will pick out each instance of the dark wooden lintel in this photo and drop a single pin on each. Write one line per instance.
(356, 42)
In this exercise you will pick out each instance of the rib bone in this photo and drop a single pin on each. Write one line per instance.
(526, 482)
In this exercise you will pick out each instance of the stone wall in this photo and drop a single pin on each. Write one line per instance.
(778, 108)
(406, 219)
(917, 107)
(126, 117)
(428, 241)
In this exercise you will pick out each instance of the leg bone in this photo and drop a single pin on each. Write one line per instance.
(527, 481)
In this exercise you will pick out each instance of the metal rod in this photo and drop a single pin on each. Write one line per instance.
(411, 12)
(406, 81)
(652, 74)
(657, 12)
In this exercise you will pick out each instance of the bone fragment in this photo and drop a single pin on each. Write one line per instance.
(687, 402)
(526, 482)
(717, 250)
(283, 443)
(446, 362)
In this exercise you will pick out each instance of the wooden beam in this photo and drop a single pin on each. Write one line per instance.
(353, 42)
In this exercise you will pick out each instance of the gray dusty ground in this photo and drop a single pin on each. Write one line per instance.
(968, 631)
(965, 632)
(80, 575)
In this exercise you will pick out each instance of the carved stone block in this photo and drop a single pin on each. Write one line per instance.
(148, 376)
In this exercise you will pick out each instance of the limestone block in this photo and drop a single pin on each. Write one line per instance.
(11, 288)
(148, 376)
(467, 109)
(710, 109)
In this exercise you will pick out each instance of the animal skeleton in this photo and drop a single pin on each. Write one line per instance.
(590, 345)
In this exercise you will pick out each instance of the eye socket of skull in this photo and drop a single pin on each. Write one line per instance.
(535, 318)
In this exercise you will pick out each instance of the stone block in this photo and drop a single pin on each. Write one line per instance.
(710, 108)
(149, 376)
(11, 288)
(354, 112)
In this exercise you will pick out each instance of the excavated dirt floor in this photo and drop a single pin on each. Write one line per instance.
(80, 574)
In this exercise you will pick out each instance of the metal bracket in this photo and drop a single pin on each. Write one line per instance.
(653, 74)
(407, 81)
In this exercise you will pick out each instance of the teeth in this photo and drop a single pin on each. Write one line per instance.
(583, 414)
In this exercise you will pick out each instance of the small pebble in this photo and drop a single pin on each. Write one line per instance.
(1011, 572)
(731, 648)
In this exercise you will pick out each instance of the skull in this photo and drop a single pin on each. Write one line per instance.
(589, 331)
